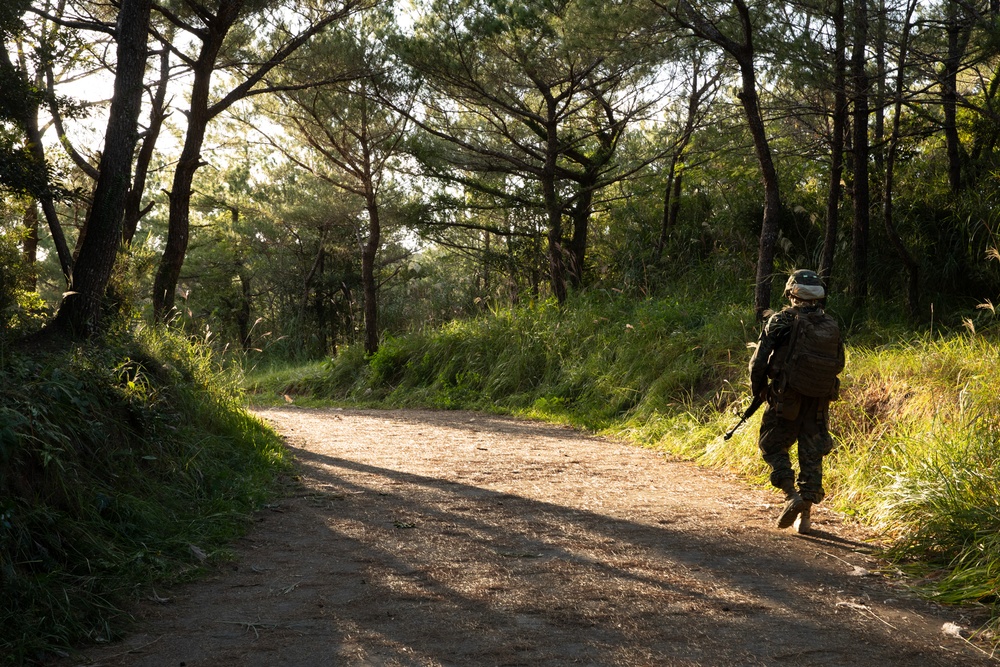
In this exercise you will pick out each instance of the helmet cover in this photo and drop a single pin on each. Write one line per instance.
(804, 285)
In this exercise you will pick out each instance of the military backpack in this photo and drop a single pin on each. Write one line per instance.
(813, 358)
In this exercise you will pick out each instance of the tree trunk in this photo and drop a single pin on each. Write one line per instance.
(320, 308)
(859, 238)
(179, 219)
(198, 117)
(368, 285)
(675, 200)
(37, 149)
(307, 289)
(536, 266)
(80, 311)
(244, 312)
(668, 219)
(912, 268)
(743, 53)
(581, 225)
(671, 201)
(772, 195)
(672, 192)
(949, 99)
(133, 202)
(29, 246)
(840, 110)
(348, 315)
(487, 276)
(879, 89)
(553, 210)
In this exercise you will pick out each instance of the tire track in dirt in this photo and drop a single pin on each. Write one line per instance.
(462, 539)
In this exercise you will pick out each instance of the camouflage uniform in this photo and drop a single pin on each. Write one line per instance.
(789, 416)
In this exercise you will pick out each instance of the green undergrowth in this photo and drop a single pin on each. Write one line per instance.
(125, 465)
(916, 428)
(587, 364)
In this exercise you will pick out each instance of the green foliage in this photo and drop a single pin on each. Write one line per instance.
(389, 362)
(919, 454)
(121, 467)
(21, 172)
(599, 359)
(21, 310)
(8, 279)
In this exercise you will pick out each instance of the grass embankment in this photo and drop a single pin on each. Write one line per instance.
(917, 426)
(124, 466)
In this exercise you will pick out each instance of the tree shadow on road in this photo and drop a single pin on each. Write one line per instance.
(565, 584)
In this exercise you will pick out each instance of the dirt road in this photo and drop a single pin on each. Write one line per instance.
(460, 539)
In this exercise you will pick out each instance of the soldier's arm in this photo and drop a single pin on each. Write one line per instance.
(775, 332)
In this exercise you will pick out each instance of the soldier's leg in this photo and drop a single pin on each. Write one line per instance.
(811, 469)
(814, 443)
(811, 451)
(776, 435)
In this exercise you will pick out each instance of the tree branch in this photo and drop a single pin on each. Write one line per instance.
(245, 89)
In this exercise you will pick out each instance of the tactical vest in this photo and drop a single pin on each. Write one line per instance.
(812, 357)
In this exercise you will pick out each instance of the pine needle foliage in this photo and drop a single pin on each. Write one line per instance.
(124, 466)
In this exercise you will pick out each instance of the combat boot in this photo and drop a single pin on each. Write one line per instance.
(793, 505)
(804, 524)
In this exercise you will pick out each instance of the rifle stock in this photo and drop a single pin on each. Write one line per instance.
(756, 403)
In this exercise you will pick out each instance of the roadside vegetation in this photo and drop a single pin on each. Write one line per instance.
(125, 466)
(917, 426)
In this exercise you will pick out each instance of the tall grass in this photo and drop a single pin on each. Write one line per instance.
(920, 455)
(123, 466)
(588, 363)
(916, 427)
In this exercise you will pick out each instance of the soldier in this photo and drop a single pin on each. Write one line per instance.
(801, 352)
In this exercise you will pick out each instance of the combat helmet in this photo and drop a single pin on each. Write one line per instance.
(804, 285)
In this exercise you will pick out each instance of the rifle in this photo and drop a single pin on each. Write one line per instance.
(756, 403)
